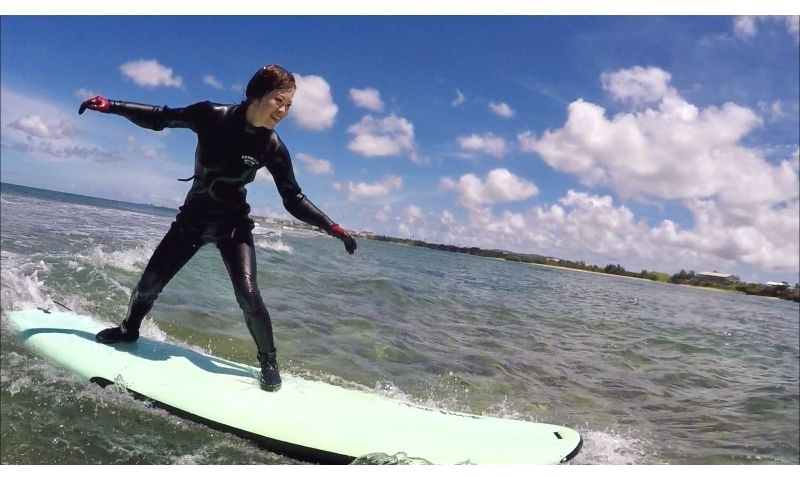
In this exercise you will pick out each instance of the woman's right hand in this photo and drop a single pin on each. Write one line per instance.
(98, 103)
(339, 232)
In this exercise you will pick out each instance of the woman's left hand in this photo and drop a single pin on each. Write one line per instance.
(339, 232)
(98, 103)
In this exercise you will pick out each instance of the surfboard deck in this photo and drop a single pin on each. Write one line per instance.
(309, 420)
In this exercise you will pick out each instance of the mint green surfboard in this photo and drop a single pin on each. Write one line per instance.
(306, 419)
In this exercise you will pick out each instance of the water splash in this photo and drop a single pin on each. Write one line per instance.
(129, 260)
(151, 330)
(275, 245)
(188, 459)
(22, 285)
(267, 232)
(611, 447)
(379, 458)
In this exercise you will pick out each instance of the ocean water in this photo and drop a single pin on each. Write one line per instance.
(648, 373)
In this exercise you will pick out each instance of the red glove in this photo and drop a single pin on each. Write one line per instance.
(98, 103)
(337, 231)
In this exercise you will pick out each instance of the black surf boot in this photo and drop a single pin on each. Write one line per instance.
(117, 334)
(270, 379)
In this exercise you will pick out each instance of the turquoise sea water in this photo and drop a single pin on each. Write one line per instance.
(647, 372)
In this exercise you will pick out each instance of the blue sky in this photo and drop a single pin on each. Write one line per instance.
(654, 142)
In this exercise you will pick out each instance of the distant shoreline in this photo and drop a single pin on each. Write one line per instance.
(583, 271)
(625, 276)
(682, 278)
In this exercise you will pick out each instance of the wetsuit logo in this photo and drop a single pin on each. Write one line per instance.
(249, 161)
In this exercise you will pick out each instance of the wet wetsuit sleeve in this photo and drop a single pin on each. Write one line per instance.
(294, 200)
(158, 117)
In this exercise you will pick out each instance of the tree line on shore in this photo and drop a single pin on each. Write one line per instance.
(777, 291)
(683, 277)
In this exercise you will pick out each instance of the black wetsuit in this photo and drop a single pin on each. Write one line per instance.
(229, 153)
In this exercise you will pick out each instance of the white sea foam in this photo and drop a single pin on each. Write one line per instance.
(16, 385)
(443, 401)
(151, 330)
(75, 266)
(129, 260)
(610, 447)
(261, 230)
(189, 459)
(21, 372)
(390, 390)
(506, 410)
(22, 287)
(272, 244)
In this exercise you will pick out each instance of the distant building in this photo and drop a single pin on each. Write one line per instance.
(715, 277)
(777, 284)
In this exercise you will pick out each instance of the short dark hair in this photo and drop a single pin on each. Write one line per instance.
(267, 79)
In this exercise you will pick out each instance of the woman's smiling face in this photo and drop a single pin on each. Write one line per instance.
(268, 111)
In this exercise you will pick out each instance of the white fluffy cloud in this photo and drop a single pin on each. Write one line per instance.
(389, 136)
(150, 74)
(500, 186)
(46, 150)
(146, 150)
(637, 85)
(213, 82)
(580, 226)
(313, 107)
(49, 135)
(774, 109)
(447, 218)
(84, 94)
(744, 206)
(314, 165)
(460, 98)
(263, 175)
(592, 228)
(89, 161)
(768, 239)
(673, 150)
(412, 214)
(367, 98)
(382, 214)
(501, 109)
(363, 190)
(34, 125)
(488, 144)
(746, 27)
